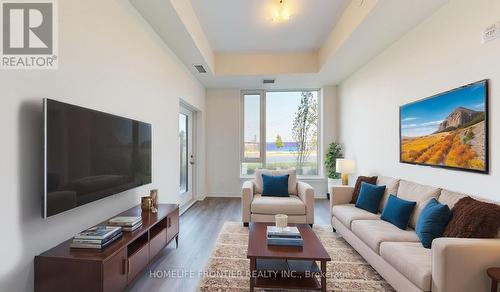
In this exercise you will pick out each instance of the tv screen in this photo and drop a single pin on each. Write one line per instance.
(90, 155)
(448, 130)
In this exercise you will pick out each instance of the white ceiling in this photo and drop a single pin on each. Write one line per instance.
(324, 42)
(247, 26)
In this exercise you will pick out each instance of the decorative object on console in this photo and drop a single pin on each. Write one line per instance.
(369, 197)
(473, 219)
(398, 211)
(281, 220)
(432, 222)
(345, 167)
(154, 198)
(368, 179)
(146, 203)
(128, 223)
(275, 185)
(448, 130)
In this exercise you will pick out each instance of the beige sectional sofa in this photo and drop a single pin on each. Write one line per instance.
(299, 206)
(451, 265)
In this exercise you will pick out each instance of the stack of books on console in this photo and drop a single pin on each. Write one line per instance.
(128, 223)
(288, 236)
(97, 237)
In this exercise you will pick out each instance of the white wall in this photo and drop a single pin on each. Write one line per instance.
(112, 61)
(223, 142)
(223, 114)
(442, 53)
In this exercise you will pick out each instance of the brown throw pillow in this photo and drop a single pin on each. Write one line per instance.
(367, 179)
(473, 219)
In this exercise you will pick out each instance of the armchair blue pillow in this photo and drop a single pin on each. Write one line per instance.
(398, 211)
(432, 222)
(275, 185)
(369, 197)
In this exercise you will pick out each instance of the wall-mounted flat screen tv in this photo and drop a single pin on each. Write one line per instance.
(89, 155)
(448, 130)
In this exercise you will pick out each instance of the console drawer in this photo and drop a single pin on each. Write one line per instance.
(158, 242)
(137, 261)
(172, 225)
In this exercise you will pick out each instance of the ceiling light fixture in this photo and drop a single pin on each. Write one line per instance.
(282, 13)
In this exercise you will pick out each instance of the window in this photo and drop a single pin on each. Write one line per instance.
(280, 131)
(183, 136)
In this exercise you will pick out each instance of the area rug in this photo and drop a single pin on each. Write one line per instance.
(227, 269)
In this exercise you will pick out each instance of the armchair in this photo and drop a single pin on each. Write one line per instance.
(299, 206)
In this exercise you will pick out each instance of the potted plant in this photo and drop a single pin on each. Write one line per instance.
(334, 151)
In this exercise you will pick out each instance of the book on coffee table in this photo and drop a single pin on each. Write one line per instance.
(285, 241)
(291, 231)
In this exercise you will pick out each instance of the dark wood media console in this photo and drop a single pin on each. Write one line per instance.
(112, 269)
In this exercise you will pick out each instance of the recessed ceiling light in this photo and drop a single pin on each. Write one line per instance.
(281, 13)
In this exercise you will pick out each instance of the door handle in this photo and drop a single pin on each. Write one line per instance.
(191, 160)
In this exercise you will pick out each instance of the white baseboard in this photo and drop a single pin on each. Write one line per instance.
(238, 195)
(223, 195)
(187, 206)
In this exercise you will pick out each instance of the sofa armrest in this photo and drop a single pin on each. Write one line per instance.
(247, 192)
(306, 194)
(340, 195)
(459, 264)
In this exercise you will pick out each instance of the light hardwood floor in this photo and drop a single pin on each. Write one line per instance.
(199, 227)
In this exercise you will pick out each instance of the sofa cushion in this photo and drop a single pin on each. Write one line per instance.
(411, 259)
(374, 232)
(348, 213)
(291, 205)
(275, 185)
(450, 198)
(421, 194)
(369, 197)
(292, 179)
(391, 188)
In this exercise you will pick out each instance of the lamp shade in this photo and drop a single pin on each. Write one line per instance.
(345, 165)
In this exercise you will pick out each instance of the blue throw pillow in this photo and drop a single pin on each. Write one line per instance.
(432, 222)
(398, 211)
(369, 197)
(275, 185)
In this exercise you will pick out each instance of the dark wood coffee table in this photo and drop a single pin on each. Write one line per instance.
(312, 250)
(494, 274)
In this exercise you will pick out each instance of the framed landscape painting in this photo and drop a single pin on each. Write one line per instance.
(448, 130)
